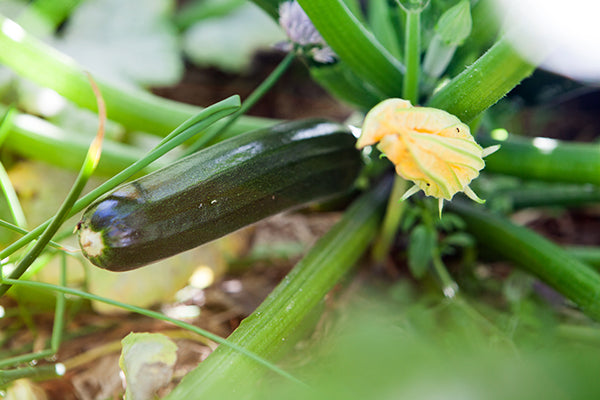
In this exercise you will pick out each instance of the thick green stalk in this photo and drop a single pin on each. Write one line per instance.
(355, 45)
(535, 254)
(412, 56)
(552, 195)
(225, 372)
(136, 110)
(544, 159)
(483, 83)
(380, 20)
(37, 139)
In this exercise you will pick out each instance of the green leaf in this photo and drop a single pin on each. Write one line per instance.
(147, 360)
(422, 242)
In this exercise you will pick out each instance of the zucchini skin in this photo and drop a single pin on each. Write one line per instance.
(218, 190)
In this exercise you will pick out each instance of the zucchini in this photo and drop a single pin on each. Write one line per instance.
(218, 190)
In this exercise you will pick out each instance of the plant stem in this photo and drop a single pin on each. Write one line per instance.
(250, 101)
(543, 158)
(483, 83)
(87, 169)
(37, 139)
(391, 221)
(395, 208)
(552, 195)
(412, 55)
(355, 45)
(535, 254)
(279, 316)
(586, 254)
(135, 109)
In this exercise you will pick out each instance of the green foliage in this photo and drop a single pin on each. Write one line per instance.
(459, 329)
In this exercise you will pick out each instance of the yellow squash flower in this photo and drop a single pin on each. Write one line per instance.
(428, 146)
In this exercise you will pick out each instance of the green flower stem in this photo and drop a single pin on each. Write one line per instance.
(449, 286)
(395, 209)
(280, 315)
(137, 110)
(355, 45)
(544, 159)
(393, 217)
(483, 83)
(253, 98)
(412, 56)
(196, 124)
(535, 254)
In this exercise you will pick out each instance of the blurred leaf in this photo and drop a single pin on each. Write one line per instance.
(459, 239)
(130, 43)
(229, 42)
(147, 360)
(413, 352)
(422, 242)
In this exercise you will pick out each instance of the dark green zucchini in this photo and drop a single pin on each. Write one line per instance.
(217, 191)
